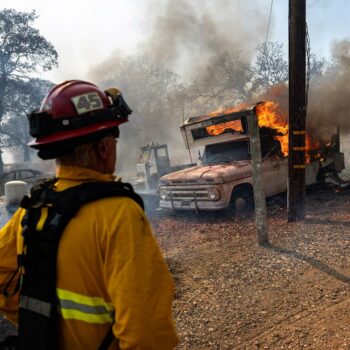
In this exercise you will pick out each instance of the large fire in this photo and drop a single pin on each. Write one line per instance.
(269, 116)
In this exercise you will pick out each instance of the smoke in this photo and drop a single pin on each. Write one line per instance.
(187, 42)
(190, 36)
(328, 96)
(329, 102)
(196, 44)
(280, 95)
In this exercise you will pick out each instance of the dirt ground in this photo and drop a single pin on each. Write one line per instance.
(233, 294)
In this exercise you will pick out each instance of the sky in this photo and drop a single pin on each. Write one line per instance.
(85, 33)
(327, 21)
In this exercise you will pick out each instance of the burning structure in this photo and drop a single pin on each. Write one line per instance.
(224, 179)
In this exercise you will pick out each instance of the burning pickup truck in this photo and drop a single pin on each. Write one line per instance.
(224, 178)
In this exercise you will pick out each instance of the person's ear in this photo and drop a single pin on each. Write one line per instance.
(102, 148)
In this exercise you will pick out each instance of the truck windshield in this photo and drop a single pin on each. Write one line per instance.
(226, 152)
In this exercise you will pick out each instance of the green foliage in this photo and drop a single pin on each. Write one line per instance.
(23, 53)
(22, 98)
(22, 48)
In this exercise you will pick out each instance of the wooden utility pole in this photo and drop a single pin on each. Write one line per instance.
(259, 194)
(297, 109)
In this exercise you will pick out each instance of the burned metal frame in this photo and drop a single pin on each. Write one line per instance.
(194, 129)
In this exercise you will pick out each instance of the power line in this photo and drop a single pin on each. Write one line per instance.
(268, 26)
(308, 64)
(267, 36)
(312, 4)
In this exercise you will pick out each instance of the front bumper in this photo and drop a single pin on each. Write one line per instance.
(200, 198)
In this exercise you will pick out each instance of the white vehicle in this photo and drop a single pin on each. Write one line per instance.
(224, 179)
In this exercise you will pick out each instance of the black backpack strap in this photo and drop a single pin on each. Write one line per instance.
(35, 197)
(38, 301)
(37, 193)
(70, 200)
(10, 343)
(76, 196)
(107, 340)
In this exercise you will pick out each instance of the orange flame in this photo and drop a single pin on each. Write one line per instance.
(218, 129)
(234, 125)
(228, 110)
(269, 116)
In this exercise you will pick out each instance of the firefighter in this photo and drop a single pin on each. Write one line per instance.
(103, 283)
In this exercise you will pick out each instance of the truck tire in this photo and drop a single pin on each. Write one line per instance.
(242, 200)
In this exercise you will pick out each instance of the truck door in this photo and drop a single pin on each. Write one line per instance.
(162, 160)
(275, 174)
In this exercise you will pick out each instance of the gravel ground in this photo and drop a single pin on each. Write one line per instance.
(6, 328)
(232, 294)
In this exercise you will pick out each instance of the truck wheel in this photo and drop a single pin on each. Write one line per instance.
(242, 200)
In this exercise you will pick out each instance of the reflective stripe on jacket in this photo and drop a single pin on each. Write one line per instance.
(74, 306)
(109, 267)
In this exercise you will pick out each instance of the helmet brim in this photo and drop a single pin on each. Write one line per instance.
(64, 147)
(67, 135)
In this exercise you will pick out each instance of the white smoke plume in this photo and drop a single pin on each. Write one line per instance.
(188, 39)
(329, 100)
(189, 36)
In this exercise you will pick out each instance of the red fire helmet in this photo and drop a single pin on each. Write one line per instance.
(75, 109)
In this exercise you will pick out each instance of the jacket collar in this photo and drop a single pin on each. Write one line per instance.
(73, 173)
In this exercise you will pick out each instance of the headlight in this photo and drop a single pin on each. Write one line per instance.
(163, 195)
(213, 194)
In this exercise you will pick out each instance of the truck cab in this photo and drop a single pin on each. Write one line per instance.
(152, 164)
(223, 179)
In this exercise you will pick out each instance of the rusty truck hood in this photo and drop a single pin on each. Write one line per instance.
(206, 174)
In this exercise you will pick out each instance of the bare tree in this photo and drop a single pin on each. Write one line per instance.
(23, 97)
(151, 91)
(226, 82)
(270, 67)
(318, 66)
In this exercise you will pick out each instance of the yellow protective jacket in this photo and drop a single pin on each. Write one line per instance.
(109, 267)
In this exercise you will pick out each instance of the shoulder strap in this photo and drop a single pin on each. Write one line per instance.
(108, 340)
(70, 200)
(47, 214)
(73, 198)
